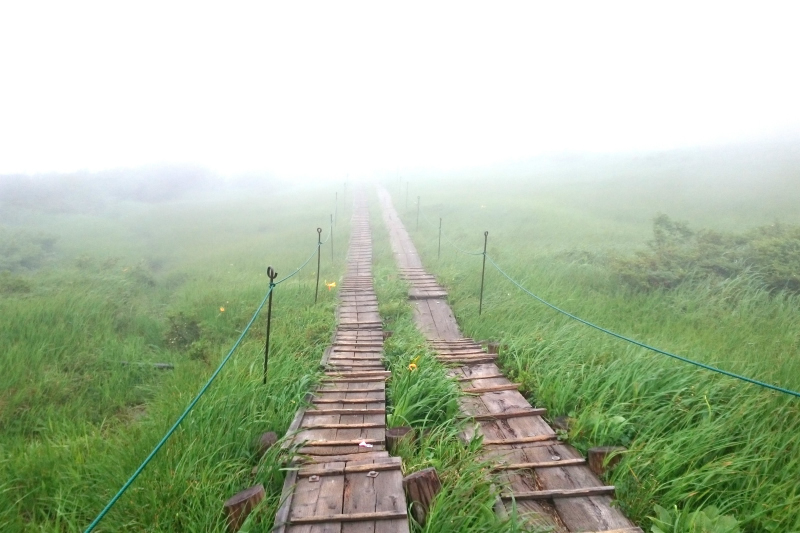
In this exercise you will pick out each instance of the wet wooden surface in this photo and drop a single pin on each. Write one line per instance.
(342, 479)
(548, 481)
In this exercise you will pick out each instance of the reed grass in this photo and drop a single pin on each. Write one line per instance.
(426, 399)
(76, 422)
(695, 439)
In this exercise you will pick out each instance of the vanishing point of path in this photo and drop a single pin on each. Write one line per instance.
(343, 479)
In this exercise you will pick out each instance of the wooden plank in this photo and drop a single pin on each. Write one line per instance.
(365, 455)
(346, 400)
(359, 499)
(350, 442)
(470, 378)
(343, 411)
(494, 388)
(539, 464)
(352, 517)
(346, 426)
(377, 467)
(559, 493)
(519, 440)
(287, 494)
(508, 414)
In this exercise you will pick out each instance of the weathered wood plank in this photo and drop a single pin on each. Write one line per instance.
(558, 493)
(352, 517)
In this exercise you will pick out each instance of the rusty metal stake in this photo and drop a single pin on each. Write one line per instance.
(319, 258)
(271, 274)
(483, 271)
(439, 251)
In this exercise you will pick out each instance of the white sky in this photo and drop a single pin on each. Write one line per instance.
(332, 88)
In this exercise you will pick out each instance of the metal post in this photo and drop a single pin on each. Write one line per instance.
(271, 274)
(319, 258)
(331, 237)
(483, 271)
(439, 251)
(417, 212)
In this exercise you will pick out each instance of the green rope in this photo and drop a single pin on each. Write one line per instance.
(310, 257)
(647, 346)
(180, 419)
(191, 405)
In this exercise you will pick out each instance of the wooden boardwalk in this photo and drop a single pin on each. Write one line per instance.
(548, 480)
(342, 478)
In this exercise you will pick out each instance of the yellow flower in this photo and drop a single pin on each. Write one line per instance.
(330, 285)
(221, 309)
(412, 367)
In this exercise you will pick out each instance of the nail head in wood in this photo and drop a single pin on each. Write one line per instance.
(238, 507)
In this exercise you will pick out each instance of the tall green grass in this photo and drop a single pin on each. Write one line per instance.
(695, 439)
(426, 399)
(76, 422)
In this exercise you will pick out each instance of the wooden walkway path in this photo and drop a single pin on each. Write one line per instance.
(342, 479)
(549, 480)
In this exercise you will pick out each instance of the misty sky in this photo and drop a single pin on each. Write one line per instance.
(333, 88)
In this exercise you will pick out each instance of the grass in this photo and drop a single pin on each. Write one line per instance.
(89, 290)
(695, 439)
(76, 422)
(427, 400)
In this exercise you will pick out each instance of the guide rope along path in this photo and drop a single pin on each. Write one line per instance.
(342, 479)
(547, 480)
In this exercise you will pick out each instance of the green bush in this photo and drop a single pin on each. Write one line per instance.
(24, 251)
(10, 284)
(770, 255)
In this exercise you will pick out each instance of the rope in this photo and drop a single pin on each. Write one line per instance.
(169, 433)
(647, 346)
(310, 257)
(191, 405)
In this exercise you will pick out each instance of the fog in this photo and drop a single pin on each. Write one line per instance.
(357, 89)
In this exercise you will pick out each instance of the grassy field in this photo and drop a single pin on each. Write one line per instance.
(696, 440)
(150, 275)
(176, 282)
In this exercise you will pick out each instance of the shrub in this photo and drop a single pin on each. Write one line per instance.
(182, 332)
(24, 251)
(678, 254)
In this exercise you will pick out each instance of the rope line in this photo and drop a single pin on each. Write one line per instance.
(310, 257)
(618, 335)
(643, 345)
(203, 390)
(177, 422)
